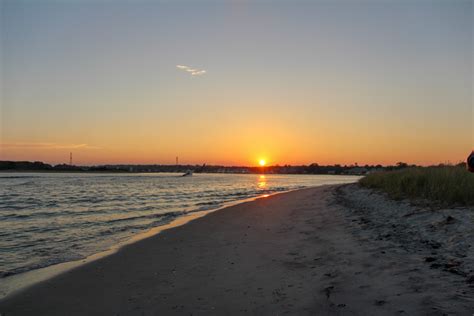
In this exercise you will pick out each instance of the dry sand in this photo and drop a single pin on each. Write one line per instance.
(321, 251)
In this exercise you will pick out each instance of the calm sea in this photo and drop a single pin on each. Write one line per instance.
(49, 218)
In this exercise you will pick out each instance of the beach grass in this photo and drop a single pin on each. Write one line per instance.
(448, 185)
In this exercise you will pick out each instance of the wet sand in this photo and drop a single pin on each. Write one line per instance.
(317, 251)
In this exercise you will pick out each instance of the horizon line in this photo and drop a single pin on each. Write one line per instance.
(355, 164)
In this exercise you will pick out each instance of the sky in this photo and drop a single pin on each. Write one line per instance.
(233, 82)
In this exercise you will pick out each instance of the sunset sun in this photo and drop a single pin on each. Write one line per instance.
(262, 162)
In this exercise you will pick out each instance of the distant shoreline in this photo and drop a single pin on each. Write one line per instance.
(314, 168)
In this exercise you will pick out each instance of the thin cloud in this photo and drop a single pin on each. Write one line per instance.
(192, 71)
(47, 146)
(198, 73)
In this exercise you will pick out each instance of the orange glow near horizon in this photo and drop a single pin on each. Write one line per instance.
(218, 144)
(332, 141)
(327, 151)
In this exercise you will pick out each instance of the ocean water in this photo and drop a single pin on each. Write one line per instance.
(49, 218)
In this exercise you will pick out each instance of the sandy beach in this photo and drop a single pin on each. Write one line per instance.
(331, 250)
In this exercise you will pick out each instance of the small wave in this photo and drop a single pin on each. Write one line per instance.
(208, 203)
(18, 216)
(138, 227)
(149, 216)
(27, 183)
(64, 257)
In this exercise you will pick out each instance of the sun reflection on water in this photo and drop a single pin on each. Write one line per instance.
(262, 182)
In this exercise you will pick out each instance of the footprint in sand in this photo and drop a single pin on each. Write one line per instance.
(328, 291)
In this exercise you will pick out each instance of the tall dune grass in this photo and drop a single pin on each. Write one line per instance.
(448, 185)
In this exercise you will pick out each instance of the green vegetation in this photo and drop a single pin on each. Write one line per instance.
(449, 185)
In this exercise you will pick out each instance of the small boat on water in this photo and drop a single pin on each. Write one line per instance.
(188, 173)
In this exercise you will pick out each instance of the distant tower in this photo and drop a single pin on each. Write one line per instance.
(70, 159)
(176, 160)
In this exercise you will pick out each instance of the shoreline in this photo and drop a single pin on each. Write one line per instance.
(320, 250)
(19, 282)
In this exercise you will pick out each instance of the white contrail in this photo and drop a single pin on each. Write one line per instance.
(192, 71)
